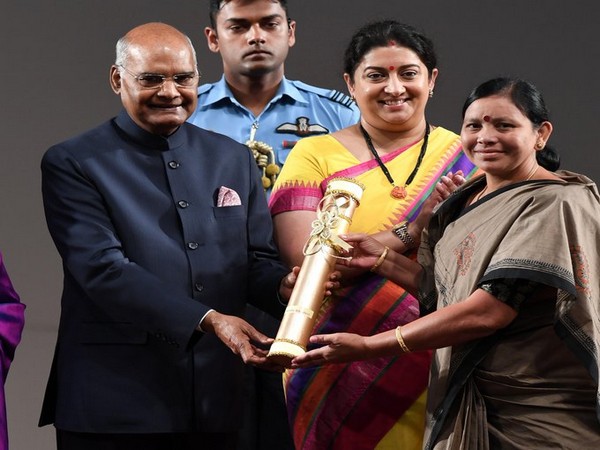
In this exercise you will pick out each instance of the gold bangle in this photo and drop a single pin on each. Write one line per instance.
(400, 340)
(381, 258)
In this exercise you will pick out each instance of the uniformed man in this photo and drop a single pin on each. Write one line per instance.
(254, 103)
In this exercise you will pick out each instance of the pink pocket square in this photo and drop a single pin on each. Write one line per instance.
(228, 197)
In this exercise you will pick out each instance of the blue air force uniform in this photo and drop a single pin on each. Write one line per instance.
(297, 110)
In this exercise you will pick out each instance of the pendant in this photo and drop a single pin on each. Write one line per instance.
(398, 192)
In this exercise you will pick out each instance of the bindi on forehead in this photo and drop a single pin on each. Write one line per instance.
(391, 68)
(486, 118)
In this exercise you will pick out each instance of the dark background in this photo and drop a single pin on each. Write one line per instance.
(56, 56)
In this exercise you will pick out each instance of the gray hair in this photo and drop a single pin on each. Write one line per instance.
(122, 51)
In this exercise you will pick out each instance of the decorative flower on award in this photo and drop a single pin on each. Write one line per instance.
(328, 219)
(265, 159)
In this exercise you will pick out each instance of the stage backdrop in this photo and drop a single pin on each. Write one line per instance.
(56, 56)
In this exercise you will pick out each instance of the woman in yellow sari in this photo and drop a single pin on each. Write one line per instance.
(390, 70)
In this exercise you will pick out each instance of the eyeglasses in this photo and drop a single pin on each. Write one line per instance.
(156, 80)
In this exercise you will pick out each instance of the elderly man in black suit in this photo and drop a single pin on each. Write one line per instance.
(165, 235)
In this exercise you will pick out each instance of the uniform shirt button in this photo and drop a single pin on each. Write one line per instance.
(183, 204)
(173, 164)
(192, 245)
(199, 287)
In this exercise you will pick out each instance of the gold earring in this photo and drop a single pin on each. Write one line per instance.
(430, 93)
(539, 145)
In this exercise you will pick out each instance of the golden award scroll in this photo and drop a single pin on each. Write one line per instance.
(324, 246)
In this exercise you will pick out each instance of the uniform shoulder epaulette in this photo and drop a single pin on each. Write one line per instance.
(204, 88)
(331, 94)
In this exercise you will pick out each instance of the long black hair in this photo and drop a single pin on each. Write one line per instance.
(528, 99)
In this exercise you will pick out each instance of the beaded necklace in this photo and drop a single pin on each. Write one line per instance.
(398, 192)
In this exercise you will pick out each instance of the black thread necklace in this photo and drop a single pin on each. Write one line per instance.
(398, 192)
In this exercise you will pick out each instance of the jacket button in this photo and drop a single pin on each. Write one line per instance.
(183, 204)
(192, 245)
(173, 164)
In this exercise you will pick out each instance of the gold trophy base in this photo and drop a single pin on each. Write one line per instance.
(282, 352)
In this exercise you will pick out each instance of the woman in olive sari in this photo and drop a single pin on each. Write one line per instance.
(509, 266)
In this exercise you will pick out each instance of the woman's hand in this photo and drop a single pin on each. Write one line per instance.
(346, 347)
(370, 254)
(443, 189)
(365, 252)
(449, 183)
(336, 348)
(289, 281)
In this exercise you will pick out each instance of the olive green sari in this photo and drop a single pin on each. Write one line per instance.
(534, 384)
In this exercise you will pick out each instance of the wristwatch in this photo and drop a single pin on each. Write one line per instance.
(401, 230)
